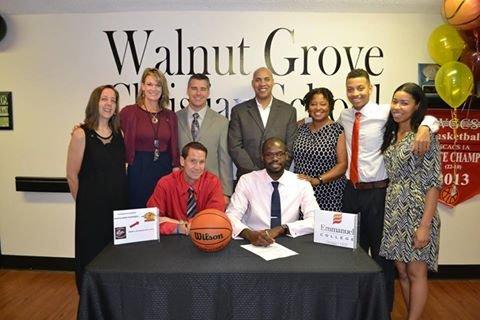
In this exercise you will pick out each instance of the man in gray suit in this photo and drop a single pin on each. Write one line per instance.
(254, 121)
(198, 122)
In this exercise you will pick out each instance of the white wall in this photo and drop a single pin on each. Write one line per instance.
(52, 62)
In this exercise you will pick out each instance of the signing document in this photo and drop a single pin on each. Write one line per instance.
(273, 251)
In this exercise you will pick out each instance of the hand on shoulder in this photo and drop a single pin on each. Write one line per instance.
(78, 133)
(75, 127)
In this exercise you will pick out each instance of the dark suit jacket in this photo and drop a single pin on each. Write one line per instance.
(213, 135)
(246, 132)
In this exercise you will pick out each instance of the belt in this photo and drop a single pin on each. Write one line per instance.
(369, 185)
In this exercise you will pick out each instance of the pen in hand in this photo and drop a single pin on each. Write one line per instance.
(269, 239)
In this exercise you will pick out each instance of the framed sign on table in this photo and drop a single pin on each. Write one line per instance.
(339, 229)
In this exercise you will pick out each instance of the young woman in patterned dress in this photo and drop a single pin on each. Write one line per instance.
(412, 226)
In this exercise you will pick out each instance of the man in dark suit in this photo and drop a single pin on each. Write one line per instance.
(210, 128)
(254, 121)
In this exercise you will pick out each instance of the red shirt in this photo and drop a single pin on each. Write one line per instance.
(171, 195)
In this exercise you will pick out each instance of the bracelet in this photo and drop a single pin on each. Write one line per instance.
(425, 226)
(320, 179)
(420, 227)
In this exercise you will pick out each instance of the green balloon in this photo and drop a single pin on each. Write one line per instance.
(445, 44)
(454, 83)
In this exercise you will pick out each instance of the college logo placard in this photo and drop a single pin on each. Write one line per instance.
(336, 228)
(337, 218)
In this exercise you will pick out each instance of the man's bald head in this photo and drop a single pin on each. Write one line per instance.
(262, 84)
(274, 141)
(262, 70)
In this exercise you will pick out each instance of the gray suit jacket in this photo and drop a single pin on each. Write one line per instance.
(246, 132)
(213, 135)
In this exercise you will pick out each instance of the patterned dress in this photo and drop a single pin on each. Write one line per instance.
(410, 179)
(315, 153)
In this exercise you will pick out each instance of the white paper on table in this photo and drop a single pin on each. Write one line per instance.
(273, 251)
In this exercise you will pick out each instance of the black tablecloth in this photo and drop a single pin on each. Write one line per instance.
(171, 279)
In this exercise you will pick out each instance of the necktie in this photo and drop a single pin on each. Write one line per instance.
(191, 203)
(354, 177)
(195, 128)
(276, 208)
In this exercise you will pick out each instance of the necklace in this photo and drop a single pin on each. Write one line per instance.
(103, 138)
(156, 141)
(153, 115)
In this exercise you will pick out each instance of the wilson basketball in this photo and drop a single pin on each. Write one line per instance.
(210, 230)
(462, 14)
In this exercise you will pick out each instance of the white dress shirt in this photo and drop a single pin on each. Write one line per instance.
(264, 111)
(250, 204)
(372, 126)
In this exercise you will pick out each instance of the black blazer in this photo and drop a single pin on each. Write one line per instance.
(246, 132)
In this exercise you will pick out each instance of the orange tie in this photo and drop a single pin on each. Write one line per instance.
(354, 161)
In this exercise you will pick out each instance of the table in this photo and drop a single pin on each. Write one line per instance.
(171, 279)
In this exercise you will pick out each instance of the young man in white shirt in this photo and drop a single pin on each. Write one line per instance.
(252, 206)
(367, 180)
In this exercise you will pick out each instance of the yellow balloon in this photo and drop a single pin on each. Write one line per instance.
(454, 83)
(445, 44)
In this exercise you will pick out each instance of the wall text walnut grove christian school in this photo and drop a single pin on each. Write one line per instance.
(280, 53)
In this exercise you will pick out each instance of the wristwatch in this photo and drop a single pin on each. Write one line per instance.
(285, 229)
(320, 179)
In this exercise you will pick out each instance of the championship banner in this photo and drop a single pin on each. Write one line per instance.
(336, 228)
(460, 145)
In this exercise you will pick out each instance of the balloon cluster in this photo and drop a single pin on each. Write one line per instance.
(456, 47)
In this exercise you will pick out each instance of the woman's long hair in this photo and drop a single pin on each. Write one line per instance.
(391, 127)
(160, 78)
(92, 114)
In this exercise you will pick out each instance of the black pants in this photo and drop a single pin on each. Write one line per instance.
(371, 206)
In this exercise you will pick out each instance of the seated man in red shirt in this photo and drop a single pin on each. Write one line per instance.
(181, 194)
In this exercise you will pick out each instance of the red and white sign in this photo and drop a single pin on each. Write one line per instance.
(336, 228)
(460, 159)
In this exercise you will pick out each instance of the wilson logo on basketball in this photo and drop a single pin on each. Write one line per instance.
(207, 236)
(337, 218)
(210, 230)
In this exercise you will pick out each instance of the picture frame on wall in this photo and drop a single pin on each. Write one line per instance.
(426, 80)
(6, 112)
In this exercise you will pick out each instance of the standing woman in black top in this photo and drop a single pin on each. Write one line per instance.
(96, 176)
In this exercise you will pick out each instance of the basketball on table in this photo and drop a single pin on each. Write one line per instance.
(210, 230)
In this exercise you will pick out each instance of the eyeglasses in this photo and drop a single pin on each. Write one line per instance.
(271, 155)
